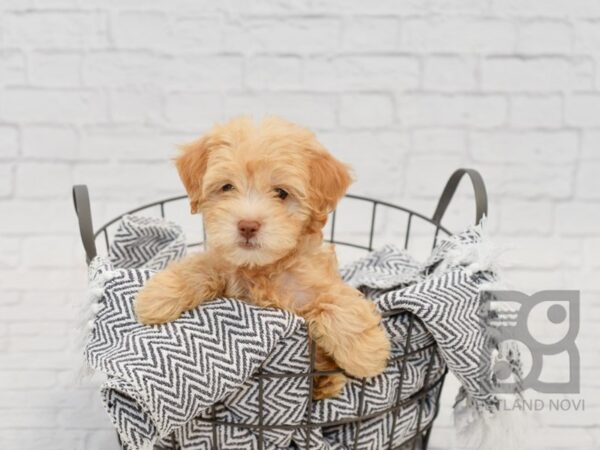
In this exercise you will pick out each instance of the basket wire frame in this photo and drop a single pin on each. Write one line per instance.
(428, 390)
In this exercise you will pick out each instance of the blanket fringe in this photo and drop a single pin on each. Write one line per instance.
(480, 256)
(484, 430)
(479, 428)
(99, 275)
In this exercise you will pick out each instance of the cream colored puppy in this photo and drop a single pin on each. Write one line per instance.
(265, 192)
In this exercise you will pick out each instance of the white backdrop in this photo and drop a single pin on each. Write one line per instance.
(101, 91)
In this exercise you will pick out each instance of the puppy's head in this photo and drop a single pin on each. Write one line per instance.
(260, 187)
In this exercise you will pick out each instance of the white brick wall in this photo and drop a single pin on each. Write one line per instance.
(100, 92)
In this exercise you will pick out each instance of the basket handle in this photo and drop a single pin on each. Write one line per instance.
(81, 201)
(481, 201)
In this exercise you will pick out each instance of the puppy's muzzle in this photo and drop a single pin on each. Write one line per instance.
(248, 228)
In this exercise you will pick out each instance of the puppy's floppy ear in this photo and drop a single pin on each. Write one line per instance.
(329, 180)
(191, 165)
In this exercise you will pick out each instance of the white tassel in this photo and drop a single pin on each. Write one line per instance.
(482, 429)
(147, 446)
(479, 256)
(100, 272)
(106, 276)
(501, 430)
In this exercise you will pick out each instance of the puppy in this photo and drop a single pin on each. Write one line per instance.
(265, 192)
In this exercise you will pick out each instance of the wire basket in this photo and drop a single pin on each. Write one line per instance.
(427, 391)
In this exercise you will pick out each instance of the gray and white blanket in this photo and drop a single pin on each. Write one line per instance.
(171, 380)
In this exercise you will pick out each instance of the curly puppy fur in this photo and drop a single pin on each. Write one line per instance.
(265, 191)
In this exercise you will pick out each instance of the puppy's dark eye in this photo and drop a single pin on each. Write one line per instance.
(281, 193)
(227, 187)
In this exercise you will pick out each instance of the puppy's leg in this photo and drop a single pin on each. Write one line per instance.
(347, 327)
(327, 385)
(183, 285)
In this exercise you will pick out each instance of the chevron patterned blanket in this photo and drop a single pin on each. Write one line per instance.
(172, 379)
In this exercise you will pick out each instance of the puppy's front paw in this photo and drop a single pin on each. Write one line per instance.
(326, 386)
(370, 353)
(349, 330)
(155, 303)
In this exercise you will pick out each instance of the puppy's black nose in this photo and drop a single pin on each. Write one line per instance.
(248, 228)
